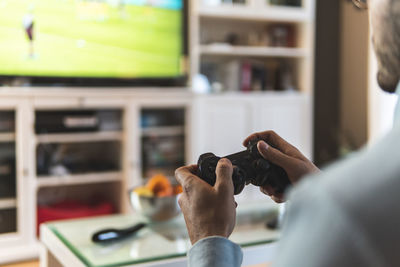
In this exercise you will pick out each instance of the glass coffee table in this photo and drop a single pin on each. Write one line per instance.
(68, 243)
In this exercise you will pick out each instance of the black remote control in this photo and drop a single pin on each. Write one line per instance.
(249, 167)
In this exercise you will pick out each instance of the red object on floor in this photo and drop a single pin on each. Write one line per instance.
(71, 210)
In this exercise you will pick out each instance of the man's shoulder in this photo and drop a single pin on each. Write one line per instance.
(364, 189)
(373, 168)
(367, 178)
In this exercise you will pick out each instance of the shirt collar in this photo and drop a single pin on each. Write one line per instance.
(397, 110)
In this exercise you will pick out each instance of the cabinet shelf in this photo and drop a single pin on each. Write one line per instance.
(79, 137)
(8, 203)
(7, 137)
(268, 13)
(257, 94)
(248, 51)
(163, 131)
(90, 178)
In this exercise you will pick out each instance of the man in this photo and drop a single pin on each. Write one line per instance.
(28, 24)
(348, 215)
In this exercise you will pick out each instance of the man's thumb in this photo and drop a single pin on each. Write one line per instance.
(224, 172)
(273, 155)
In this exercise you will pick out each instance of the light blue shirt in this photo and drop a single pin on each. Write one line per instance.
(397, 110)
(346, 216)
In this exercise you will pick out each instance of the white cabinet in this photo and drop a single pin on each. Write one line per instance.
(289, 115)
(224, 121)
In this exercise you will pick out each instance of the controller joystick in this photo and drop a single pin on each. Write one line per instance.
(249, 168)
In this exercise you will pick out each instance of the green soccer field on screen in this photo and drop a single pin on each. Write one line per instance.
(91, 38)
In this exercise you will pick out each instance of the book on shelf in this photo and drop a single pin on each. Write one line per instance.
(246, 75)
(250, 75)
(229, 71)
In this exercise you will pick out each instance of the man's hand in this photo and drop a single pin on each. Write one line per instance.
(276, 150)
(208, 211)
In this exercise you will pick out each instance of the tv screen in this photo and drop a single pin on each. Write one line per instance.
(123, 39)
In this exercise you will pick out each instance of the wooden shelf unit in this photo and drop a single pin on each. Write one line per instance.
(267, 13)
(79, 137)
(234, 113)
(223, 16)
(247, 51)
(76, 179)
(163, 131)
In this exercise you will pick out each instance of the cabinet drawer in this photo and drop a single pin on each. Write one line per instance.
(69, 121)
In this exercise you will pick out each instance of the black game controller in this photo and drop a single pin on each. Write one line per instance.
(249, 167)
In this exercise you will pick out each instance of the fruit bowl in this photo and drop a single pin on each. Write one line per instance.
(157, 200)
(155, 208)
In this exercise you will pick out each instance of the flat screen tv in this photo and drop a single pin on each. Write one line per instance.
(94, 42)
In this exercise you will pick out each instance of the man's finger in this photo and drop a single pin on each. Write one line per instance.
(184, 174)
(182, 201)
(273, 139)
(224, 172)
(277, 199)
(266, 189)
(255, 136)
(269, 136)
(274, 155)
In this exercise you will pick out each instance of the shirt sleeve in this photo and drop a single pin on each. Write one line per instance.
(215, 251)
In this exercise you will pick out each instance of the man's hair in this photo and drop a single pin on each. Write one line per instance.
(387, 48)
